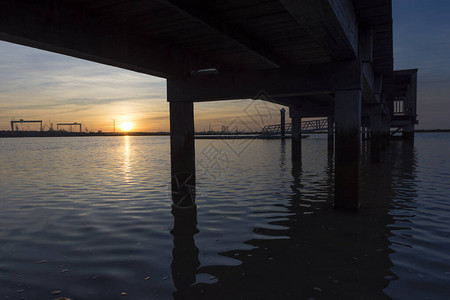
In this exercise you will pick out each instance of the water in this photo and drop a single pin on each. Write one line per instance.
(90, 218)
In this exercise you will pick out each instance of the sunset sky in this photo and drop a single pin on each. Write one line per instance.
(35, 84)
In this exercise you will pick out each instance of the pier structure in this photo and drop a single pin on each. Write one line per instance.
(404, 105)
(321, 58)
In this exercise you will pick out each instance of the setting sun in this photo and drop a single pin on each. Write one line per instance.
(127, 126)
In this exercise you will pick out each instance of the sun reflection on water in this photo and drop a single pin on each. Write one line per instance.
(127, 159)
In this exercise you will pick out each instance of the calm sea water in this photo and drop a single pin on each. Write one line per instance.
(90, 218)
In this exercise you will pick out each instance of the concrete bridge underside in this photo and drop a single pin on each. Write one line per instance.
(319, 57)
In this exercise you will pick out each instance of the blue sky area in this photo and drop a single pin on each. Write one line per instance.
(422, 40)
(36, 84)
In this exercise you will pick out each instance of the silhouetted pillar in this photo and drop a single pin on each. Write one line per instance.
(330, 133)
(296, 135)
(385, 120)
(348, 133)
(182, 154)
(411, 104)
(384, 131)
(408, 131)
(388, 131)
(375, 137)
(283, 123)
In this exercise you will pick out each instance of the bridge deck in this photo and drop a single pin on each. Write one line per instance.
(172, 38)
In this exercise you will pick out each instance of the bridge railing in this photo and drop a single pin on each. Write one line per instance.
(306, 126)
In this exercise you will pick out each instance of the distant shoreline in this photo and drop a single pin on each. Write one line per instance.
(199, 135)
(14, 134)
(432, 130)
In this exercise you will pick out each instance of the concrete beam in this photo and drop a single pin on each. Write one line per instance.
(298, 81)
(318, 100)
(366, 35)
(308, 113)
(369, 95)
(311, 106)
(196, 11)
(371, 109)
(378, 87)
(52, 25)
(332, 23)
(369, 75)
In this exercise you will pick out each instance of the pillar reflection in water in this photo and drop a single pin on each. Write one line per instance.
(283, 154)
(296, 175)
(185, 253)
(314, 251)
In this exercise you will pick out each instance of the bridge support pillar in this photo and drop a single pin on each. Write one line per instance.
(330, 133)
(375, 137)
(408, 131)
(182, 154)
(296, 128)
(385, 130)
(283, 123)
(347, 150)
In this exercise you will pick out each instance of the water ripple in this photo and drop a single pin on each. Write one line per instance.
(91, 217)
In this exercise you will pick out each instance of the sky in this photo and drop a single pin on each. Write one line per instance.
(41, 85)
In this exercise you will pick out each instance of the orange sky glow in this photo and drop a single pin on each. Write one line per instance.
(39, 85)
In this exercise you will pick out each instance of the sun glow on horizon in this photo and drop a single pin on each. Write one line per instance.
(126, 126)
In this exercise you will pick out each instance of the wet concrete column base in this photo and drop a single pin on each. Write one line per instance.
(347, 149)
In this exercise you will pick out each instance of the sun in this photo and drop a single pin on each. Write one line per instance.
(126, 126)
